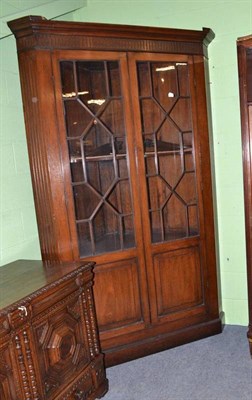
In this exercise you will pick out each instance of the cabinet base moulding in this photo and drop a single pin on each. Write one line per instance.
(162, 342)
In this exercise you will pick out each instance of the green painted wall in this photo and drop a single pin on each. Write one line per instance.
(229, 20)
(17, 217)
(18, 227)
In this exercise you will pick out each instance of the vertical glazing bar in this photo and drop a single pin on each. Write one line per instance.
(121, 232)
(92, 238)
(162, 224)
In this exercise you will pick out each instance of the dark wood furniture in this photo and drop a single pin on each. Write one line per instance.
(244, 48)
(117, 131)
(49, 347)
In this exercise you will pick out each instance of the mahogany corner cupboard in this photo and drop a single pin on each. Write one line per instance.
(117, 132)
(244, 49)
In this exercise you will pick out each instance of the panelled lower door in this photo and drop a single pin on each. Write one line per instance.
(92, 94)
(169, 182)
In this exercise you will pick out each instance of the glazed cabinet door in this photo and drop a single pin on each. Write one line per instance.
(169, 152)
(92, 94)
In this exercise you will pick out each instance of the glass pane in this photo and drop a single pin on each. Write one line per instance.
(151, 114)
(193, 220)
(106, 230)
(97, 141)
(74, 147)
(165, 106)
(114, 78)
(113, 118)
(122, 168)
(187, 188)
(144, 83)
(120, 197)
(187, 140)
(171, 168)
(175, 219)
(128, 229)
(165, 85)
(188, 152)
(189, 161)
(85, 242)
(183, 79)
(156, 222)
(97, 169)
(92, 83)
(158, 191)
(181, 114)
(150, 166)
(149, 144)
(86, 201)
(168, 136)
(67, 79)
(77, 118)
(95, 129)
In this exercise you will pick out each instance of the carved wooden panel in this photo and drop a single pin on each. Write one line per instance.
(62, 344)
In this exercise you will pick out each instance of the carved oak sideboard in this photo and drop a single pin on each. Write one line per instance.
(49, 347)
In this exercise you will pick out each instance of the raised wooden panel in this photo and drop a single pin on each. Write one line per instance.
(178, 281)
(63, 344)
(114, 284)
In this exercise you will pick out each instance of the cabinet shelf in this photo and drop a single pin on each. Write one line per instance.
(109, 157)
(108, 242)
(168, 152)
(173, 234)
(112, 242)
